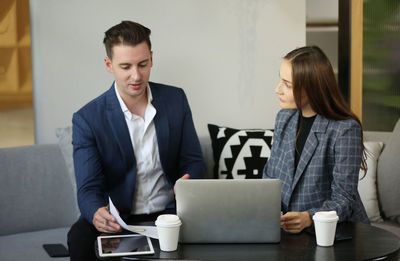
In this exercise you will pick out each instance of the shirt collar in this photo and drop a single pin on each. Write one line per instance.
(121, 102)
(125, 109)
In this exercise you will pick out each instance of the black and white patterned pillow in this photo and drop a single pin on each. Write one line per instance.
(239, 154)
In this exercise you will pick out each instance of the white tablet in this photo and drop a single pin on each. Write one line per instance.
(124, 245)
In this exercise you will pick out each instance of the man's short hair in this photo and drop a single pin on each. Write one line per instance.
(126, 33)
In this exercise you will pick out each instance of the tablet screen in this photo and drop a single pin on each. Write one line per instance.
(124, 245)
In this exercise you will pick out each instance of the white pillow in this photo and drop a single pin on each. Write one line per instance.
(367, 185)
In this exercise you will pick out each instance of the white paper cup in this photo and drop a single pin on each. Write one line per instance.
(168, 231)
(325, 227)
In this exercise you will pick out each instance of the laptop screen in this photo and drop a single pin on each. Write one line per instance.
(229, 211)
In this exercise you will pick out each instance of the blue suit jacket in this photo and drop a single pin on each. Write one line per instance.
(104, 160)
(327, 174)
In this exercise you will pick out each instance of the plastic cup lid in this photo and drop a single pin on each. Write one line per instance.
(168, 220)
(326, 216)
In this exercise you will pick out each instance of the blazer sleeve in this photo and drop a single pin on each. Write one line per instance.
(191, 158)
(347, 162)
(88, 169)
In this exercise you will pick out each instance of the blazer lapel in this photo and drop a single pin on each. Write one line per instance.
(161, 124)
(310, 146)
(288, 140)
(291, 146)
(119, 128)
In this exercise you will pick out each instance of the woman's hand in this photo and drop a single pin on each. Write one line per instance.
(295, 222)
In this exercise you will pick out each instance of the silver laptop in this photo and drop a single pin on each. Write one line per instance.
(229, 211)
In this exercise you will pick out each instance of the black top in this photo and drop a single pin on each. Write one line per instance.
(303, 129)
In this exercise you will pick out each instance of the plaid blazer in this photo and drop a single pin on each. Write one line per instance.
(327, 174)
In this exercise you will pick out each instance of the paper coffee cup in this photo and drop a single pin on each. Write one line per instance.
(168, 231)
(325, 227)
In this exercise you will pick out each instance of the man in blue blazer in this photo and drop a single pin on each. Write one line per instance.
(130, 144)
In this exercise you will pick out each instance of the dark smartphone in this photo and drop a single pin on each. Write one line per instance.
(56, 250)
(344, 231)
(343, 235)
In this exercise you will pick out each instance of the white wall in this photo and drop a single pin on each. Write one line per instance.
(326, 37)
(320, 11)
(225, 54)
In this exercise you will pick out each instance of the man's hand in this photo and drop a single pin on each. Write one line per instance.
(105, 222)
(295, 222)
(186, 176)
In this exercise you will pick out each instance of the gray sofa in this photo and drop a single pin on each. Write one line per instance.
(388, 178)
(38, 199)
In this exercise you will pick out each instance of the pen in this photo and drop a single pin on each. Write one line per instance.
(108, 210)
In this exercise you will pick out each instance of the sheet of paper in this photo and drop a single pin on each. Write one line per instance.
(150, 231)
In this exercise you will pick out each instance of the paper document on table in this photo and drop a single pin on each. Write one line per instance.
(150, 231)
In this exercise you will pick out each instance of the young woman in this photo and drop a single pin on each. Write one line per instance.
(317, 146)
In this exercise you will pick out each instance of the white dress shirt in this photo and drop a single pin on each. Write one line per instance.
(153, 192)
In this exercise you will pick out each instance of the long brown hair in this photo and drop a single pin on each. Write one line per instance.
(312, 75)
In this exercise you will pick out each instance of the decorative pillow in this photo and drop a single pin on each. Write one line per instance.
(367, 185)
(389, 176)
(239, 154)
(64, 136)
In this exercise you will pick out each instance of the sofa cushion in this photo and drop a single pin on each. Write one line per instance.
(239, 153)
(388, 176)
(367, 183)
(35, 190)
(64, 136)
(29, 246)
